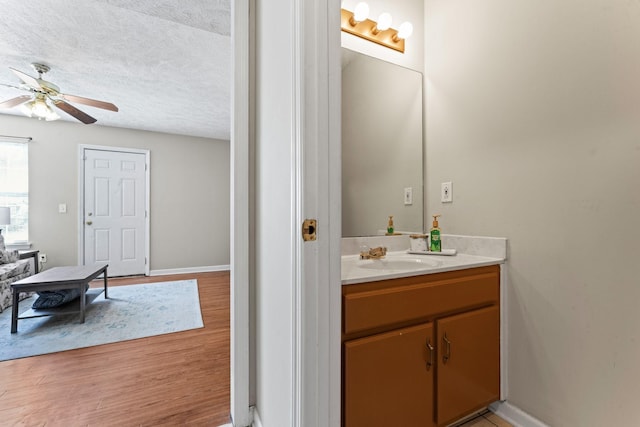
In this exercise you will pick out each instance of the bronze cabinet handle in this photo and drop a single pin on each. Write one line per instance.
(431, 351)
(447, 354)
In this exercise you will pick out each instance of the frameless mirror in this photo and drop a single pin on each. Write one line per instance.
(381, 146)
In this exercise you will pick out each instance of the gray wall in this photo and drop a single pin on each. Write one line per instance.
(189, 191)
(534, 113)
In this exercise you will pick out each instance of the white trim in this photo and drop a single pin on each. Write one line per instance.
(16, 139)
(110, 148)
(188, 270)
(316, 158)
(240, 200)
(297, 213)
(80, 223)
(20, 246)
(334, 132)
(504, 336)
(257, 422)
(515, 415)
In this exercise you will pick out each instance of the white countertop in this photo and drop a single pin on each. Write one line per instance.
(402, 264)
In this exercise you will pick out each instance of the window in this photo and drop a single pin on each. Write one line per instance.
(14, 188)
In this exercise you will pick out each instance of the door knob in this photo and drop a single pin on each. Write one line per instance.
(89, 222)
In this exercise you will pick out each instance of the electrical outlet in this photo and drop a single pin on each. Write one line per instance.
(446, 192)
(42, 257)
(408, 196)
(62, 208)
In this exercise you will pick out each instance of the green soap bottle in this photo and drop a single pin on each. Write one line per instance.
(434, 234)
(390, 226)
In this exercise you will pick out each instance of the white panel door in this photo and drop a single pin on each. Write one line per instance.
(114, 211)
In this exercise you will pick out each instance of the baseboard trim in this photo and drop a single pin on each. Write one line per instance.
(187, 270)
(257, 422)
(515, 415)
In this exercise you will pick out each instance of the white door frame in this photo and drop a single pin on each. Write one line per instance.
(242, 193)
(316, 374)
(318, 120)
(81, 227)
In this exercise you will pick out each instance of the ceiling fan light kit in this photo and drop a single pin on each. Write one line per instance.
(44, 94)
(39, 108)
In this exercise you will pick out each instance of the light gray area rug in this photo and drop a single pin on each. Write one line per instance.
(130, 312)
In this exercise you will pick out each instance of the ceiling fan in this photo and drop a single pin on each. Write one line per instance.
(44, 94)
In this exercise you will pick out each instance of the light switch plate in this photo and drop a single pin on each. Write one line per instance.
(446, 192)
(62, 208)
(408, 196)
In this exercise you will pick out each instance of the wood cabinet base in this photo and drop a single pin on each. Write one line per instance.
(386, 372)
(418, 362)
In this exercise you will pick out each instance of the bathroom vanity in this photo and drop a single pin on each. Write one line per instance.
(420, 338)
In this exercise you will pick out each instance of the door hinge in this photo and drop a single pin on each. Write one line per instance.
(145, 260)
(309, 229)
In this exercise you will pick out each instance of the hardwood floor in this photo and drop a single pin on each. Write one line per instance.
(167, 380)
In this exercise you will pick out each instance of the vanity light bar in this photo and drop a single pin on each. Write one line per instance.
(367, 29)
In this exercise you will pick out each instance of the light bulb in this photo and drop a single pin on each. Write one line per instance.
(405, 30)
(26, 109)
(384, 22)
(40, 108)
(51, 116)
(361, 12)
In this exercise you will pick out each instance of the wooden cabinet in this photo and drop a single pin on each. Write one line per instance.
(421, 351)
(468, 363)
(388, 371)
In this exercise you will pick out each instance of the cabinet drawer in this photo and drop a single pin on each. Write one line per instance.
(400, 301)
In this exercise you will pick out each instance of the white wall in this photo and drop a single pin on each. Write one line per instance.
(401, 11)
(533, 112)
(189, 191)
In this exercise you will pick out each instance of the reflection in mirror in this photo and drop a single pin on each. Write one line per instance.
(381, 146)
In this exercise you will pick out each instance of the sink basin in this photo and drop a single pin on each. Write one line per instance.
(398, 264)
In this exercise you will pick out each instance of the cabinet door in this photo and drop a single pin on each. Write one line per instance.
(388, 379)
(468, 363)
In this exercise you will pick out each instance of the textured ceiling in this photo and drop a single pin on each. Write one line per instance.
(166, 64)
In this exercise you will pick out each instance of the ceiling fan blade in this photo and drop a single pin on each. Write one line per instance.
(12, 86)
(31, 81)
(10, 103)
(91, 102)
(74, 112)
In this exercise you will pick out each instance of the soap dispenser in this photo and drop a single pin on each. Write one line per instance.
(390, 225)
(436, 244)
